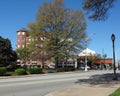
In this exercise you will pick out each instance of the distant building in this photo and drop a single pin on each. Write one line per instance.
(103, 64)
(87, 52)
(90, 58)
(22, 38)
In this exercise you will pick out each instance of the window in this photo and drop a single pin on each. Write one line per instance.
(23, 33)
(23, 38)
(18, 33)
(29, 39)
(18, 46)
(23, 46)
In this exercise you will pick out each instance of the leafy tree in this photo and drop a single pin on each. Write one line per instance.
(93, 58)
(7, 55)
(98, 9)
(63, 30)
(23, 54)
(38, 46)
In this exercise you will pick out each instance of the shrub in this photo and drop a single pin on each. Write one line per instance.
(60, 69)
(34, 70)
(12, 67)
(10, 73)
(20, 71)
(65, 69)
(3, 71)
(69, 69)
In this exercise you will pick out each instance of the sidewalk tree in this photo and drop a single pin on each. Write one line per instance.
(7, 55)
(63, 29)
(98, 9)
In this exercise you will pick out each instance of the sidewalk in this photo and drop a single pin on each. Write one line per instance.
(99, 85)
(85, 90)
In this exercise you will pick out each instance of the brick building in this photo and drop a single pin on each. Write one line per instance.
(103, 64)
(22, 38)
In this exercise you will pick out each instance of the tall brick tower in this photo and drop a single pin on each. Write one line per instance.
(22, 38)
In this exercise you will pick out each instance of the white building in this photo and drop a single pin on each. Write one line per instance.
(87, 52)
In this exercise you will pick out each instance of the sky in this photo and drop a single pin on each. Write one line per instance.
(16, 14)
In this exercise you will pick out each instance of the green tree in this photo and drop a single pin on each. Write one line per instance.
(63, 29)
(7, 55)
(93, 58)
(98, 9)
(38, 46)
(23, 54)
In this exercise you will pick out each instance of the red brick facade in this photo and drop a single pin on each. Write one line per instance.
(21, 38)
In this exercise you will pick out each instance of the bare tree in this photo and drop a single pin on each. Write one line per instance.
(98, 9)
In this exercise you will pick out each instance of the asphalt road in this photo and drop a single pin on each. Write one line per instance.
(39, 85)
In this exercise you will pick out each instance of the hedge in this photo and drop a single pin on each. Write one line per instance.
(20, 71)
(3, 71)
(34, 70)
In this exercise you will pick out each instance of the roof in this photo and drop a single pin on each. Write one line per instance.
(106, 61)
(22, 30)
(87, 52)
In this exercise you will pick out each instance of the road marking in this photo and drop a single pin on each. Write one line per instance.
(41, 82)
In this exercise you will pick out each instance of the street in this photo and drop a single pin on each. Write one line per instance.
(39, 85)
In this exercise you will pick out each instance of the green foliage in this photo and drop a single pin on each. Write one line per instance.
(7, 55)
(3, 71)
(93, 58)
(20, 71)
(116, 93)
(60, 31)
(13, 66)
(23, 53)
(60, 69)
(69, 69)
(34, 70)
(10, 73)
(65, 69)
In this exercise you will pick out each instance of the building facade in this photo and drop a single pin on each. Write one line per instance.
(22, 38)
(89, 57)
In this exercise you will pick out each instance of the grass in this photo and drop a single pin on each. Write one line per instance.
(116, 93)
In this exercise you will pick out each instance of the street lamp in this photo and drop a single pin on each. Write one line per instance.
(104, 56)
(113, 39)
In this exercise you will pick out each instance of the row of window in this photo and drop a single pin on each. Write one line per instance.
(21, 33)
(18, 46)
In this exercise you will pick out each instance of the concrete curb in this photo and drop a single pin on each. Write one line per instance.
(19, 76)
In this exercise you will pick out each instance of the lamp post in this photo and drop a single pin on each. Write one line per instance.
(86, 69)
(104, 56)
(113, 39)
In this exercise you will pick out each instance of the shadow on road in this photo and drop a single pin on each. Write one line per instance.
(102, 80)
